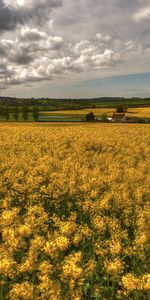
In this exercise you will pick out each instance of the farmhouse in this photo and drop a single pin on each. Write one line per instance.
(118, 117)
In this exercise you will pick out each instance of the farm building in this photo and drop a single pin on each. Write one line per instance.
(109, 119)
(118, 117)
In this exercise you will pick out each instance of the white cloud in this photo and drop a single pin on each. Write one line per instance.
(103, 37)
(105, 59)
(31, 34)
(35, 40)
(142, 14)
(83, 47)
(129, 45)
(36, 56)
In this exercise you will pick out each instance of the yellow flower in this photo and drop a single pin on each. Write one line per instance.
(99, 223)
(45, 268)
(9, 216)
(114, 267)
(23, 291)
(25, 230)
(62, 243)
(115, 247)
(130, 282)
(70, 266)
(145, 282)
(74, 202)
(8, 267)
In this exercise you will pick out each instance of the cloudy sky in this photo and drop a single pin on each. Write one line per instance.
(75, 48)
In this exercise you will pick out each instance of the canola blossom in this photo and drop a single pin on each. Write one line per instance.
(74, 211)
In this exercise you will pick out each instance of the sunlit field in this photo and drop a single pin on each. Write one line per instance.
(140, 112)
(97, 111)
(74, 211)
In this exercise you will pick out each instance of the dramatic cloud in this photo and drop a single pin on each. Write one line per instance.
(57, 40)
(36, 56)
(14, 12)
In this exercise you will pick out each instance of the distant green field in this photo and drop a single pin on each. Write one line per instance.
(83, 104)
(59, 118)
(73, 104)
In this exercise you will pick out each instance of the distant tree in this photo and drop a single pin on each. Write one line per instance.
(141, 120)
(90, 117)
(6, 113)
(35, 114)
(104, 118)
(25, 113)
(16, 113)
(1, 112)
(121, 109)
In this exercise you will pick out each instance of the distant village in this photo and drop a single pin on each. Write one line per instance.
(122, 118)
(117, 117)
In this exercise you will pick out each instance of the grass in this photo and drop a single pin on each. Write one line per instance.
(59, 118)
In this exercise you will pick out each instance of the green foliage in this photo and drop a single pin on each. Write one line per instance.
(25, 113)
(141, 120)
(104, 118)
(90, 117)
(61, 104)
(6, 113)
(1, 112)
(16, 113)
(35, 113)
(121, 109)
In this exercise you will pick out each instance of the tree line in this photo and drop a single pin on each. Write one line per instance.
(16, 112)
(90, 117)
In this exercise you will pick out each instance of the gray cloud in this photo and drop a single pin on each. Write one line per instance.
(14, 12)
(8, 19)
(22, 58)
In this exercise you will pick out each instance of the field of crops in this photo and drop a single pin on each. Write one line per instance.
(74, 211)
(96, 111)
(140, 112)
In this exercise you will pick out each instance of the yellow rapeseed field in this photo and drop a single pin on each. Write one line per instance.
(141, 112)
(78, 112)
(74, 211)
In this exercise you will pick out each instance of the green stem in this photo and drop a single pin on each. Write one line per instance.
(2, 292)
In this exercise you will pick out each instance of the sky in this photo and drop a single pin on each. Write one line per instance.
(74, 48)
